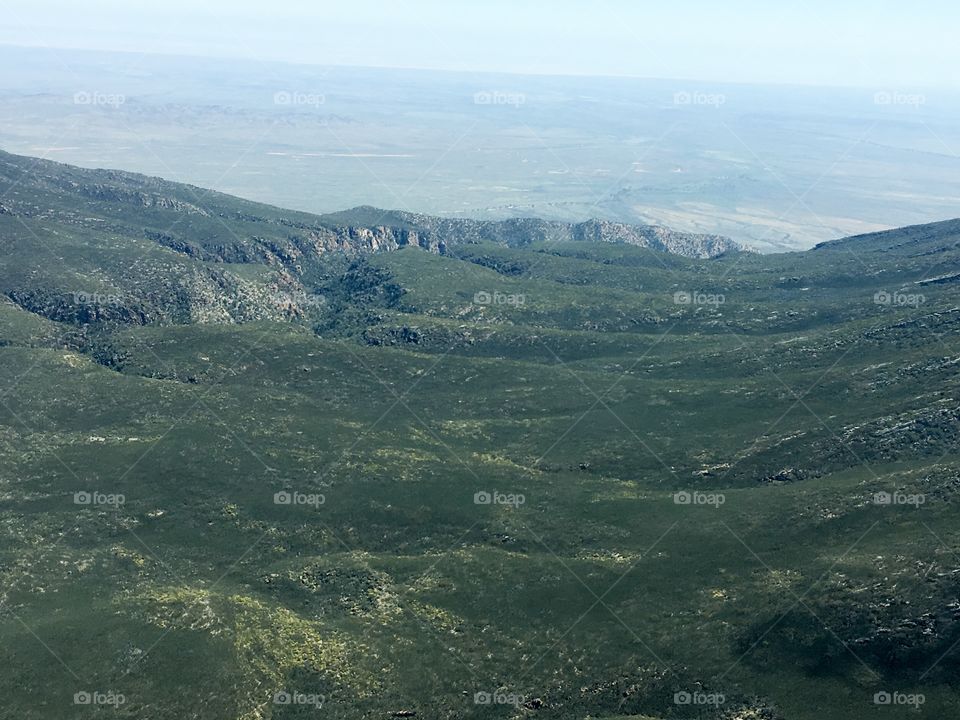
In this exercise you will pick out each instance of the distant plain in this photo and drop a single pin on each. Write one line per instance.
(774, 167)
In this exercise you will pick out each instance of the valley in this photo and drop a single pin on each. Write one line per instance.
(375, 463)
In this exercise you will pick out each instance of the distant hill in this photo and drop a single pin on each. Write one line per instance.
(179, 253)
(442, 232)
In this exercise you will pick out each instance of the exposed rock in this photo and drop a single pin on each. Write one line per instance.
(435, 234)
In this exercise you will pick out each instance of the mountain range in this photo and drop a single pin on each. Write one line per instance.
(378, 464)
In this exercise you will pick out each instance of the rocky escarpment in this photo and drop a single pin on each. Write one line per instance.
(198, 295)
(352, 239)
(435, 232)
(437, 235)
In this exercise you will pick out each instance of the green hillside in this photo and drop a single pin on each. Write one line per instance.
(249, 452)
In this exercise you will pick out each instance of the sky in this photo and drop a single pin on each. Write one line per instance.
(879, 43)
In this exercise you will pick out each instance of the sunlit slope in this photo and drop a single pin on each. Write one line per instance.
(565, 480)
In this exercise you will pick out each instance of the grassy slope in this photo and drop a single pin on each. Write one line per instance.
(596, 399)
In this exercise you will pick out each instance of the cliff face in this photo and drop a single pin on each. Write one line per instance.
(311, 240)
(434, 233)
(357, 239)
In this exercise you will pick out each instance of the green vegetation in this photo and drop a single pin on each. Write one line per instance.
(282, 446)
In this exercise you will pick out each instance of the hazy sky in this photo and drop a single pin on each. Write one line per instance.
(875, 43)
